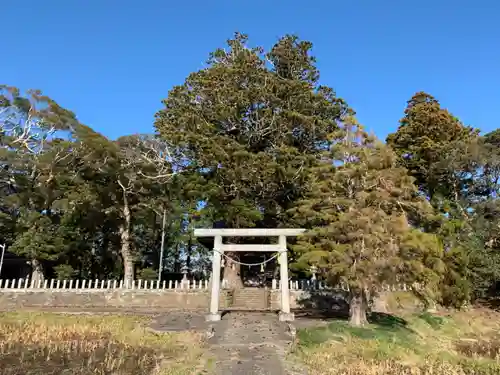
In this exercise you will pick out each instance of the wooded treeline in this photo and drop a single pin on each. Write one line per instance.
(254, 140)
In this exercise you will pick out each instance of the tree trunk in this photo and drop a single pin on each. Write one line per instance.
(232, 276)
(126, 246)
(189, 252)
(358, 308)
(36, 271)
(177, 261)
(162, 246)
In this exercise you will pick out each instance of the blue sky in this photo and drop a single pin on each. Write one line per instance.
(112, 62)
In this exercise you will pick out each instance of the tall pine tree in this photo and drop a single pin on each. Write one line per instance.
(360, 210)
(251, 123)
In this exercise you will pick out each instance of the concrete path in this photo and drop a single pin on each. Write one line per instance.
(251, 344)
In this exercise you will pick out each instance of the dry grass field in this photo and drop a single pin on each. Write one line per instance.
(453, 343)
(50, 344)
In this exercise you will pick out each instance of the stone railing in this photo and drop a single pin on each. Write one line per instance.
(55, 284)
(321, 285)
(102, 284)
(106, 295)
(150, 296)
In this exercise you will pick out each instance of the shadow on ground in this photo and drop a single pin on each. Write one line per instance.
(320, 308)
(323, 305)
(387, 320)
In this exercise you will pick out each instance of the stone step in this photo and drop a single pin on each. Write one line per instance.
(248, 303)
(247, 295)
(251, 299)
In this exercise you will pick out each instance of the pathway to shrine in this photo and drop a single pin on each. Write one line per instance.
(241, 343)
(249, 342)
(252, 343)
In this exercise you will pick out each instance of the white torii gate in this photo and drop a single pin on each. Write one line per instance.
(220, 248)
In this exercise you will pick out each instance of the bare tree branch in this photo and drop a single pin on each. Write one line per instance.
(25, 127)
(151, 156)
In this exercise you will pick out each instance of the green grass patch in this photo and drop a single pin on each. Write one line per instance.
(436, 322)
(420, 343)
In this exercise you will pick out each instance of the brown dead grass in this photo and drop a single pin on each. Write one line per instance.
(451, 343)
(44, 343)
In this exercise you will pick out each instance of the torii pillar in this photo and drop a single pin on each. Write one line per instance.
(220, 248)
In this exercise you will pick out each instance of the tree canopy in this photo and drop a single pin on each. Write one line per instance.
(255, 139)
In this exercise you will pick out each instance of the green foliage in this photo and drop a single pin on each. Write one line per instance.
(458, 172)
(65, 195)
(424, 132)
(250, 124)
(38, 238)
(360, 206)
(257, 139)
(64, 272)
(147, 274)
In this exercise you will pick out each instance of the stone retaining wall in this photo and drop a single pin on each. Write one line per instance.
(15, 299)
(302, 299)
(153, 299)
(108, 299)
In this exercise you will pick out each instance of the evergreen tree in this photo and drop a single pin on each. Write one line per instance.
(456, 170)
(127, 169)
(360, 209)
(250, 124)
(424, 132)
(35, 148)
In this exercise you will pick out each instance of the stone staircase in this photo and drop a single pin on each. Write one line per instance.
(257, 299)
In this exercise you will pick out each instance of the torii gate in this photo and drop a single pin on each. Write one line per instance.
(220, 248)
